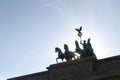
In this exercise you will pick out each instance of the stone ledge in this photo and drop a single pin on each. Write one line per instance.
(72, 62)
(29, 76)
(81, 69)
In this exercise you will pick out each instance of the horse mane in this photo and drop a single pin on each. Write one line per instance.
(58, 49)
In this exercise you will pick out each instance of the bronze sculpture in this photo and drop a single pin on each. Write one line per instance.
(87, 50)
(79, 31)
(60, 54)
(68, 54)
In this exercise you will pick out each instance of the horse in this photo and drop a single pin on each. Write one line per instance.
(84, 53)
(79, 50)
(61, 55)
(68, 54)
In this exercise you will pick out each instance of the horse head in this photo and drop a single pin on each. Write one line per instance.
(56, 49)
(77, 45)
(78, 49)
(60, 54)
(66, 47)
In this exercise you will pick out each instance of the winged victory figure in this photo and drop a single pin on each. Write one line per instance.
(79, 31)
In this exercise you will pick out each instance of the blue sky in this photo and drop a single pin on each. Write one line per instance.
(31, 29)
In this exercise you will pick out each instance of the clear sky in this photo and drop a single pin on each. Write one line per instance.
(31, 29)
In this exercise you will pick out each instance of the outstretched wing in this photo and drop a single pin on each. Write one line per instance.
(80, 28)
(77, 29)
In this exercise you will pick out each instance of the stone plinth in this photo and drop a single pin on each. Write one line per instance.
(72, 68)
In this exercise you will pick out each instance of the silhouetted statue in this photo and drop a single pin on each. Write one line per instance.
(61, 55)
(89, 46)
(78, 49)
(84, 45)
(87, 50)
(90, 49)
(77, 45)
(68, 54)
(79, 31)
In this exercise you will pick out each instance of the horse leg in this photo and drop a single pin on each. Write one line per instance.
(62, 59)
(94, 56)
(57, 60)
(74, 57)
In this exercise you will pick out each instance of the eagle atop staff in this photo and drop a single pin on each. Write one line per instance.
(79, 31)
